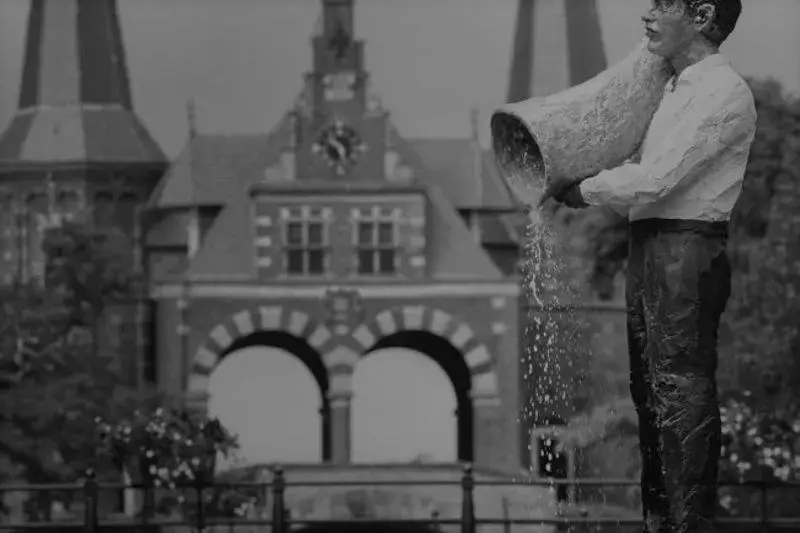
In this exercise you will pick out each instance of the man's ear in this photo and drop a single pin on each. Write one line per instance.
(704, 15)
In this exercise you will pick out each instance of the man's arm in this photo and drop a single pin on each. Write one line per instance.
(700, 136)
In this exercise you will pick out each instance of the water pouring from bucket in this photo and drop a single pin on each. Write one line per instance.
(568, 136)
(580, 131)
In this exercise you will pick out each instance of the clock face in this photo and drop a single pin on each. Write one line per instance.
(339, 145)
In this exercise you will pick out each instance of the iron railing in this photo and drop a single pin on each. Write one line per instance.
(280, 520)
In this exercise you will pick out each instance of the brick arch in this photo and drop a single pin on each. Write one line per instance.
(479, 360)
(298, 333)
(223, 338)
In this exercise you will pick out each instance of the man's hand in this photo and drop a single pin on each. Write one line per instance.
(572, 197)
(555, 188)
(565, 191)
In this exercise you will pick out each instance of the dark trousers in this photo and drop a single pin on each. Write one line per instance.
(678, 283)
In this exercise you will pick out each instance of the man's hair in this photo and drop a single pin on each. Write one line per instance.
(725, 19)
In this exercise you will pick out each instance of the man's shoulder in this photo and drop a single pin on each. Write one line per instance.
(725, 85)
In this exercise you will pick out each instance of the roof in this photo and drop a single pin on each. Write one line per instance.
(74, 55)
(222, 169)
(452, 250)
(78, 135)
(465, 171)
(75, 103)
(213, 169)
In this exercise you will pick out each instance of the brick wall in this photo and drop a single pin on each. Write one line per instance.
(491, 323)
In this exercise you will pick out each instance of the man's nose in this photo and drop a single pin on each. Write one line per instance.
(648, 18)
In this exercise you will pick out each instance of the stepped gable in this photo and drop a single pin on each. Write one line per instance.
(223, 170)
(75, 104)
(219, 170)
(557, 44)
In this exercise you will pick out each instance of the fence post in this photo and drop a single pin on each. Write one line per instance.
(278, 507)
(467, 501)
(435, 520)
(762, 485)
(90, 502)
(201, 512)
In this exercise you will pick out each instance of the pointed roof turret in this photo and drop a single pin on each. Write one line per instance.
(75, 103)
(557, 44)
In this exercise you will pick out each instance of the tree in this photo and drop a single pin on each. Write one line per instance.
(53, 378)
(760, 331)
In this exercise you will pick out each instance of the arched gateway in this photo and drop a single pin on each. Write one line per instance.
(275, 326)
(331, 358)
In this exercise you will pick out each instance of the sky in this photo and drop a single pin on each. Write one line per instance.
(430, 61)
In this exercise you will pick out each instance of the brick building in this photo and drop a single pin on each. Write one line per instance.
(331, 236)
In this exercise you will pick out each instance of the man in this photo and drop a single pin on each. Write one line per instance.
(679, 198)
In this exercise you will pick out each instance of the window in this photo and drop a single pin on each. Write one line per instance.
(306, 245)
(376, 240)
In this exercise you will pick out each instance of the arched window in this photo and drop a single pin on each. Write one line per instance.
(9, 251)
(125, 214)
(103, 209)
(126, 221)
(35, 230)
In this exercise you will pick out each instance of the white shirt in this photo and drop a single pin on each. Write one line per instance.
(694, 153)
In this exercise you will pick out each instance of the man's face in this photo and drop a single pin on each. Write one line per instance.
(668, 27)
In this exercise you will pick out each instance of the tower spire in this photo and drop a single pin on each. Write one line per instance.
(557, 44)
(336, 48)
(75, 102)
(338, 18)
(191, 117)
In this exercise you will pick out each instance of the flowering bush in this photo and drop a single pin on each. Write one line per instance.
(758, 445)
(166, 447)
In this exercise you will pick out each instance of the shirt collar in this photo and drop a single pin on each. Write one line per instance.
(696, 70)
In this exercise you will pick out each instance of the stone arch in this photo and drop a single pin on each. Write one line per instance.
(478, 358)
(275, 326)
(449, 342)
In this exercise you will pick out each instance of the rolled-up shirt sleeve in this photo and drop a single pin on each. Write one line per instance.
(700, 135)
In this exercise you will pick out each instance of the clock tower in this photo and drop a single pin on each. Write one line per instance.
(339, 132)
